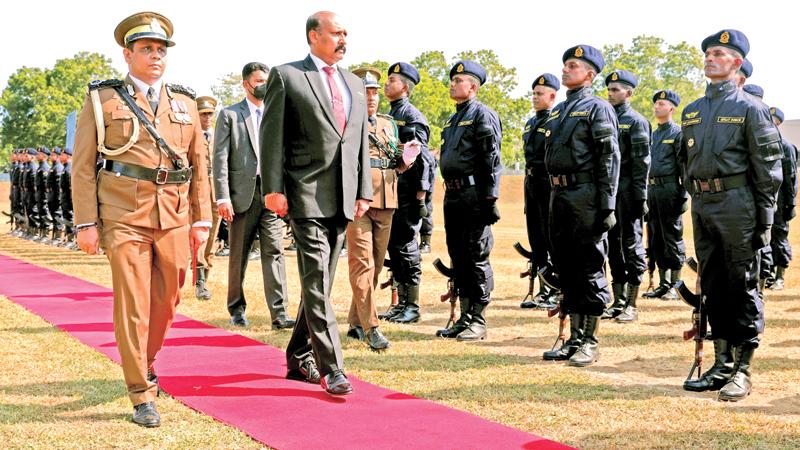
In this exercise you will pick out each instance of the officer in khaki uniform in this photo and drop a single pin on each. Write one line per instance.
(206, 106)
(144, 207)
(368, 235)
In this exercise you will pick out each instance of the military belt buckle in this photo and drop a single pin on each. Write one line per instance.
(705, 186)
(384, 163)
(161, 175)
(718, 184)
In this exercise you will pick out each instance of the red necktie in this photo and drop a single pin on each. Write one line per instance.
(336, 97)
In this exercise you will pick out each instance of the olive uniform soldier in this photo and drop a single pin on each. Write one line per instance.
(471, 167)
(731, 151)
(582, 160)
(150, 201)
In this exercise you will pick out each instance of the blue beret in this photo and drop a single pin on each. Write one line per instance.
(776, 113)
(671, 96)
(734, 39)
(45, 150)
(622, 76)
(67, 151)
(547, 79)
(586, 53)
(406, 70)
(754, 89)
(56, 150)
(747, 68)
(470, 68)
(32, 151)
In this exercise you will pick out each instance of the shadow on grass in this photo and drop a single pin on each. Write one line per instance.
(83, 393)
(452, 362)
(645, 439)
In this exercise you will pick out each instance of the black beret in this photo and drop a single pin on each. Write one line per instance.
(45, 150)
(671, 96)
(586, 53)
(469, 68)
(734, 39)
(547, 79)
(622, 76)
(32, 151)
(67, 151)
(406, 70)
(754, 89)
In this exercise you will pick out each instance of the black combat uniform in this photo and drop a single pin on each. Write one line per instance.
(43, 219)
(15, 196)
(53, 199)
(29, 196)
(784, 212)
(65, 193)
(732, 152)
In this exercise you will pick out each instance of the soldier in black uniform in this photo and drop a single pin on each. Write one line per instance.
(732, 152)
(744, 72)
(15, 196)
(41, 193)
(29, 193)
(785, 209)
(471, 167)
(65, 197)
(667, 198)
(426, 225)
(411, 188)
(537, 184)
(582, 160)
(626, 255)
(53, 191)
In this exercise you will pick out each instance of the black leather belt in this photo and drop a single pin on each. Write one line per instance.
(157, 176)
(379, 163)
(661, 181)
(720, 184)
(459, 183)
(571, 179)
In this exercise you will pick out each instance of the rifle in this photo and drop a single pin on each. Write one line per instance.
(451, 293)
(390, 282)
(10, 219)
(561, 339)
(692, 263)
(529, 271)
(699, 325)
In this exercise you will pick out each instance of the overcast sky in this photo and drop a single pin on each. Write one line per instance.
(222, 36)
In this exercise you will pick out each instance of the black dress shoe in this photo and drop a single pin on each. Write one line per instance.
(145, 414)
(282, 323)
(239, 320)
(356, 333)
(376, 340)
(306, 372)
(335, 383)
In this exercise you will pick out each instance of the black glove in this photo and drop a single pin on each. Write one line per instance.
(606, 220)
(761, 236)
(789, 212)
(489, 212)
(423, 209)
(640, 208)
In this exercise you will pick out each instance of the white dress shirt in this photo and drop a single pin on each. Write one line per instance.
(347, 96)
(144, 87)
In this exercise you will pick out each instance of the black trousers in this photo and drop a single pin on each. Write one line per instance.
(469, 243)
(665, 226)
(403, 246)
(426, 227)
(723, 225)
(537, 217)
(626, 256)
(269, 227)
(316, 335)
(579, 249)
(781, 249)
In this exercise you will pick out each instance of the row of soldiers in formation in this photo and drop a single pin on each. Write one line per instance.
(41, 196)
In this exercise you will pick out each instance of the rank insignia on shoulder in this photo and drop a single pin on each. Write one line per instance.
(692, 115)
(102, 84)
(182, 90)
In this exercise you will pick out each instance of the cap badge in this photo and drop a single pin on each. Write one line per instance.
(460, 68)
(396, 68)
(614, 76)
(663, 94)
(579, 52)
(541, 80)
(724, 38)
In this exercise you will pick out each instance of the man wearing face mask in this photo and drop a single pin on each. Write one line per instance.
(237, 183)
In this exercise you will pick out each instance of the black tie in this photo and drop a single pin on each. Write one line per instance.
(151, 97)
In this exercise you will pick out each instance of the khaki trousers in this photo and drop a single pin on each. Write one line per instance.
(367, 240)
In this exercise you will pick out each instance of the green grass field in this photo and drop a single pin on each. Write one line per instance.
(56, 393)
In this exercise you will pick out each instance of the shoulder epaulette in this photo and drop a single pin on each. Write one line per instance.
(385, 116)
(182, 90)
(102, 84)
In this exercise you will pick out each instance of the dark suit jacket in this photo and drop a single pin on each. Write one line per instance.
(303, 155)
(235, 160)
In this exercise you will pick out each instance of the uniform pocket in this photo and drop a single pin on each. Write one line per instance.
(117, 191)
(119, 128)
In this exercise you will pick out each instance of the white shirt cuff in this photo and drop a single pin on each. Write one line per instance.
(223, 200)
(201, 224)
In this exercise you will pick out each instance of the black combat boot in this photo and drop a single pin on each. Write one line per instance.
(399, 307)
(629, 314)
(719, 374)
(618, 289)
(778, 284)
(571, 344)
(200, 290)
(589, 351)
(739, 386)
(409, 314)
(538, 300)
(460, 324)
(425, 243)
(476, 330)
(674, 277)
(663, 285)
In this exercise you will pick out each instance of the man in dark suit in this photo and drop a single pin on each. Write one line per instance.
(237, 183)
(315, 167)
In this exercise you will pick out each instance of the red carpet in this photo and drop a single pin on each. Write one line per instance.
(241, 382)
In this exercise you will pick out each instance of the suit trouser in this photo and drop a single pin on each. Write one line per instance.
(579, 249)
(367, 240)
(257, 219)
(403, 245)
(625, 249)
(665, 226)
(723, 225)
(148, 268)
(537, 216)
(316, 335)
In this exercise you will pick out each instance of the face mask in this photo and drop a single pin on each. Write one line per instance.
(260, 92)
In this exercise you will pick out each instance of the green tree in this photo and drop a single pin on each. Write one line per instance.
(36, 102)
(678, 67)
(228, 89)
